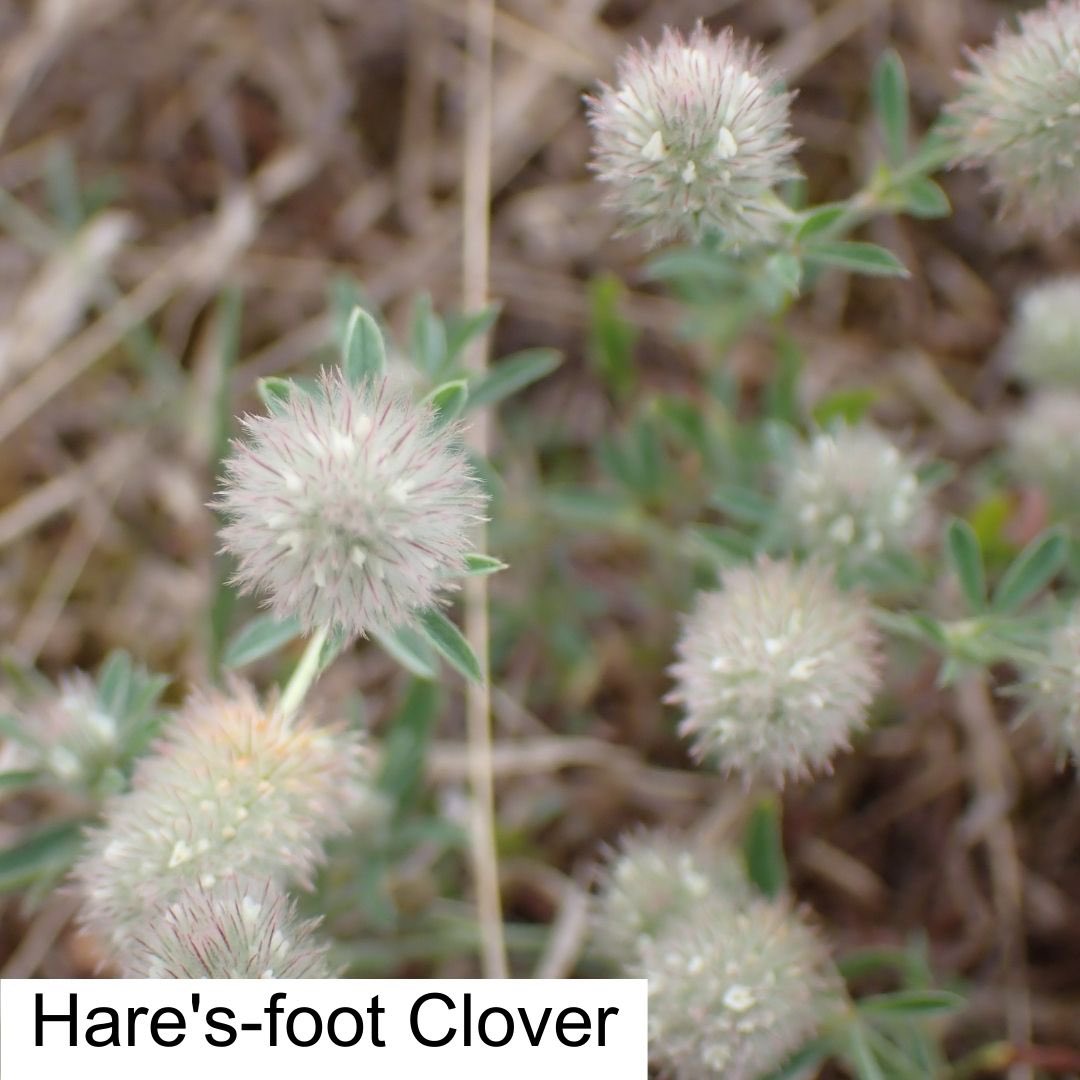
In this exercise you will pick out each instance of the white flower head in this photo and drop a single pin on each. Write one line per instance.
(734, 990)
(775, 671)
(1043, 344)
(1018, 114)
(653, 882)
(693, 138)
(1044, 446)
(852, 496)
(1051, 687)
(349, 507)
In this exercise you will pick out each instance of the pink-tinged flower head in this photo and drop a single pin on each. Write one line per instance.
(242, 928)
(232, 790)
(776, 670)
(693, 138)
(349, 507)
(1018, 114)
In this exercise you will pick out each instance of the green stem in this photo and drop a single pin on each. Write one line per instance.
(305, 673)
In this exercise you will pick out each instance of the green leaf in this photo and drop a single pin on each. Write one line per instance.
(967, 560)
(274, 392)
(1032, 569)
(462, 329)
(742, 504)
(410, 649)
(820, 220)
(861, 1056)
(612, 337)
(405, 745)
(428, 339)
(48, 852)
(925, 199)
(858, 257)
(763, 848)
(848, 406)
(450, 643)
(889, 90)
(805, 1061)
(449, 400)
(114, 683)
(910, 1004)
(16, 779)
(363, 350)
(511, 375)
(260, 637)
(477, 565)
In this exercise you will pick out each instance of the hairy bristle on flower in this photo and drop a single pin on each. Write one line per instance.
(853, 496)
(1044, 446)
(241, 928)
(693, 138)
(1018, 114)
(1051, 687)
(1043, 345)
(735, 989)
(232, 789)
(350, 507)
(775, 671)
(653, 882)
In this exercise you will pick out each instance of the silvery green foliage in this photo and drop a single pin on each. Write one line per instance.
(1044, 446)
(240, 928)
(85, 733)
(693, 138)
(775, 671)
(232, 789)
(1052, 688)
(653, 882)
(852, 496)
(735, 989)
(349, 507)
(1043, 345)
(1018, 114)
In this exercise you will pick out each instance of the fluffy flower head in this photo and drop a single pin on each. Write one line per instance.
(735, 990)
(693, 138)
(1052, 688)
(1018, 114)
(233, 789)
(775, 671)
(241, 928)
(653, 883)
(349, 507)
(853, 496)
(1044, 446)
(1044, 342)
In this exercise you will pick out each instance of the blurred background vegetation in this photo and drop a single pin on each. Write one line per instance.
(193, 194)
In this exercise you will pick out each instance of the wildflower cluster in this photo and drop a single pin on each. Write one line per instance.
(693, 138)
(1044, 446)
(737, 982)
(233, 789)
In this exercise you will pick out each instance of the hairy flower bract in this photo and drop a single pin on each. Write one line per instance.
(241, 928)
